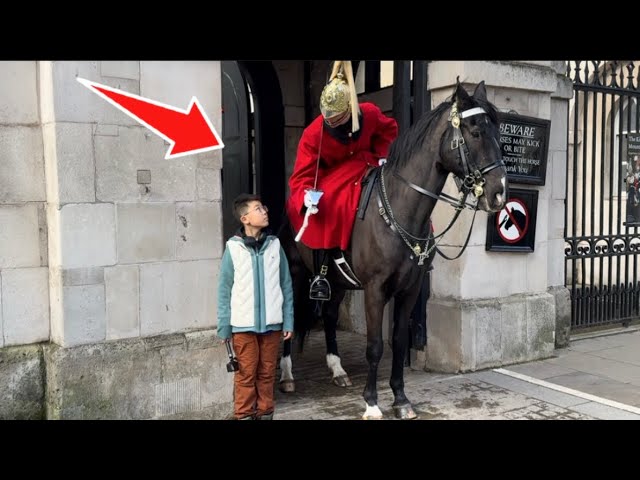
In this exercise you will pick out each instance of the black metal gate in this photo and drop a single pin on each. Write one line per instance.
(602, 210)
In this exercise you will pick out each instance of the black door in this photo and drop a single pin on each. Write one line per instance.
(236, 154)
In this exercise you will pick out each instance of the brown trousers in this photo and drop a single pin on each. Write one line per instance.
(255, 381)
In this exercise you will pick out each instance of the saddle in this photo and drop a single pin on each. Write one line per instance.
(320, 288)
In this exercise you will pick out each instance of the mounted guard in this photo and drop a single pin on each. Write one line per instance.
(334, 154)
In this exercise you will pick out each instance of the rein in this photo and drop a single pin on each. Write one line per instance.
(473, 181)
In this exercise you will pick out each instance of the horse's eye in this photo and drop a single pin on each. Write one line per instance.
(475, 134)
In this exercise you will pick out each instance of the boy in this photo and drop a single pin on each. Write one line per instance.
(255, 305)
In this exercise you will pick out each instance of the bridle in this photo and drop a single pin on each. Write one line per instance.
(472, 182)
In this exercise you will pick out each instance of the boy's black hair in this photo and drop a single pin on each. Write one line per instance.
(241, 203)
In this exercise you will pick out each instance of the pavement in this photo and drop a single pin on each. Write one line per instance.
(596, 378)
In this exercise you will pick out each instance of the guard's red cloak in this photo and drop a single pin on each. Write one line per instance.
(342, 167)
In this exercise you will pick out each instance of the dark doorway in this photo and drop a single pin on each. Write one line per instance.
(236, 154)
(253, 157)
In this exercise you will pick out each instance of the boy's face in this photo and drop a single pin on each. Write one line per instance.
(256, 215)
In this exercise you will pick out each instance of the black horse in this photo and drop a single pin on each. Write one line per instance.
(392, 247)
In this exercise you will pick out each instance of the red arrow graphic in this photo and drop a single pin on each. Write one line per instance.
(188, 131)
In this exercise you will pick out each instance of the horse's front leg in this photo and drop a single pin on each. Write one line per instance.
(330, 323)
(374, 305)
(287, 385)
(403, 305)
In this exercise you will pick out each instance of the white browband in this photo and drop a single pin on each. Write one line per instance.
(471, 112)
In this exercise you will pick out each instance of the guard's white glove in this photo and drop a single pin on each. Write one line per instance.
(307, 200)
(382, 161)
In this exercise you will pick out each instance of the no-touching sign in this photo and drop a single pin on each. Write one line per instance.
(513, 221)
(513, 227)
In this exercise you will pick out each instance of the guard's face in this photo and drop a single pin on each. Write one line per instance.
(338, 120)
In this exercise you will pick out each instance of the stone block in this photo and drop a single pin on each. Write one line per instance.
(558, 168)
(176, 296)
(21, 387)
(536, 274)
(123, 379)
(114, 380)
(541, 325)
(211, 159)
(555, 262)
(444, 345)
(488, 325)
(146, 232)
(25, 305)
(540, 105)
(87, 235)
(43, 238)
(19, 236)
(558, 133)
(72, 277)
(509, 74)
(83, 315)
(1, 321)
(64, 99)
(21, 164)
(120, 69)
(491, 274)
(175, 83)
(201, 339)
(204, 377)
(199, 230)
(119, 158)
(511, 99)
(514, 330)
(122, 301)
(562, 299)
(209, 184)
(18, 93)
(69, 163)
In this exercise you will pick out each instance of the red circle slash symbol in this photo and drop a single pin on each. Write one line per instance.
(513, 221)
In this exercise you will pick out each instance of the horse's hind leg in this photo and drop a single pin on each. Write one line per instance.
(330, 322)
(402, 308)
(300, 311)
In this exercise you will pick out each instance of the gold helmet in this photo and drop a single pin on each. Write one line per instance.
(338, 99)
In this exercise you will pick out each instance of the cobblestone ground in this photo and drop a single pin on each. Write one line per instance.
(434, 396)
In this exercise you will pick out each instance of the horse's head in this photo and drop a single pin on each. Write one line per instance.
(470, 148)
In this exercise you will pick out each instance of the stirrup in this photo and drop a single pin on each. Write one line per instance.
(320, 289)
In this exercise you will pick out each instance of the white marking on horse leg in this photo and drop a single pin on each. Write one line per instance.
(333, 362)
(285, 368)
(372, 413)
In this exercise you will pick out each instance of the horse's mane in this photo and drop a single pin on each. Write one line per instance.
(410, 141)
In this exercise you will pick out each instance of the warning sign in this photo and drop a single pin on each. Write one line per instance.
(513, 221)
(513, 227)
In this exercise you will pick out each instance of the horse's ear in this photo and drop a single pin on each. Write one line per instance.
(480, 93)
(460, 93)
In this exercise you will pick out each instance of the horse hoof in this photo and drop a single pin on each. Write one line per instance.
(372, 417)
(287, 386)
(342, 381)
(372, 413)
(405, 412)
